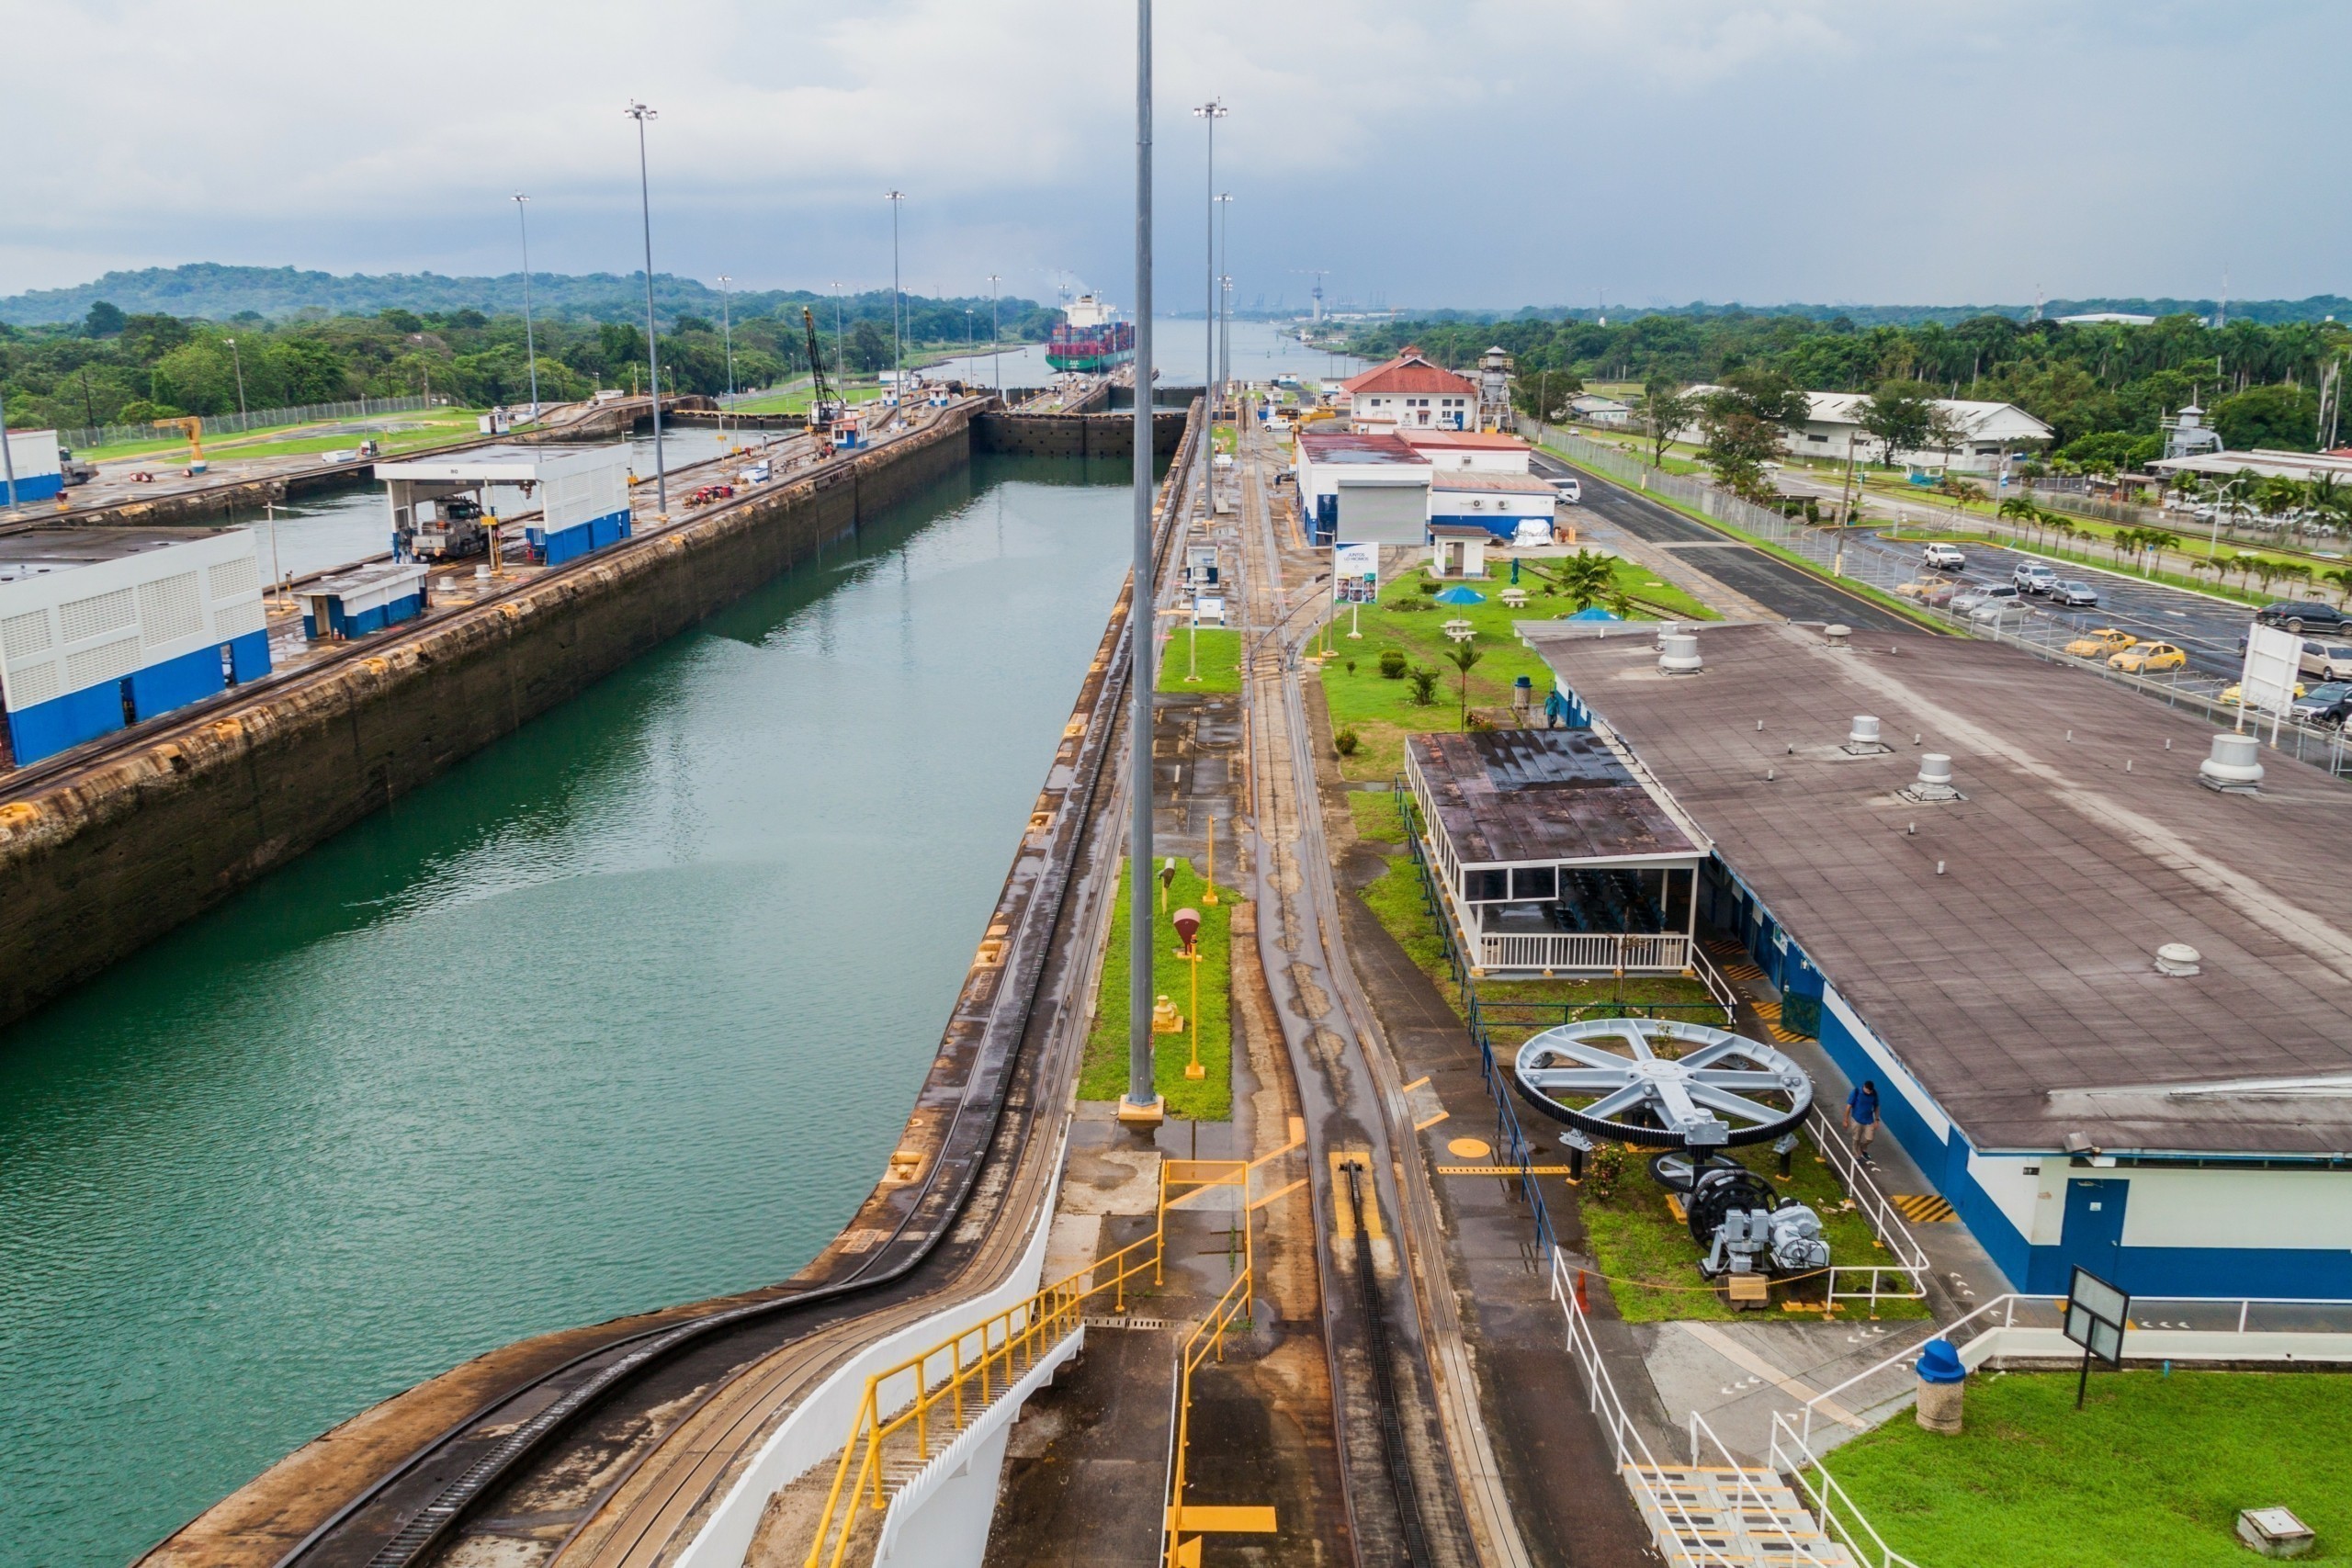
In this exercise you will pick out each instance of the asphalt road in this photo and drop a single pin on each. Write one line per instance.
(1780, 588)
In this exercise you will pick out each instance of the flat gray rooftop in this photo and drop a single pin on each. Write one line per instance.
(2019, 987)
(1515, 795)
(39, 550)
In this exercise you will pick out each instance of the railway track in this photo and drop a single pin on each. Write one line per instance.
(608, 1457)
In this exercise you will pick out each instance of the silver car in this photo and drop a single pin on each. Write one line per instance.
(2074, 596)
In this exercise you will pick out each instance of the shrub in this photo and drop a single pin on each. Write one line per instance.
(1346, 742)
(1393, 662)
(1424, 685)
(1606, 1170)
(1352, 666)
(1426, 586)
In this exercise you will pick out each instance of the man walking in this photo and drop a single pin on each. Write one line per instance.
(1861, 1117)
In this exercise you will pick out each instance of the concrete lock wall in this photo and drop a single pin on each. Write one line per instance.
(1074, 435)
(102, 861)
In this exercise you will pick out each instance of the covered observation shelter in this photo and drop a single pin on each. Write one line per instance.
(1554, 857)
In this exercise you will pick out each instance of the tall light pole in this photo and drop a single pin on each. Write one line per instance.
(1225, 296)
(727, 328)
(996, 358)
(530, 342)
(238, 362)
(1212, 111)
(841, 366)
(968, 334)
(7, 458)
(1142, 1103)
(641, 114)
(897, 333)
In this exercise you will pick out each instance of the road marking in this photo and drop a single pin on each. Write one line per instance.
(1469, 1148)
(1747, 1360)
(1415, 1084)
(1425, 1126)
(1222, 1520)
(1502, 1170)
(1343, 1214)
(1921, 1208)
(1279, 1192)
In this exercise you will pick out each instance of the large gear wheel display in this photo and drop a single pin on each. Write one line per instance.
(1660, 1084)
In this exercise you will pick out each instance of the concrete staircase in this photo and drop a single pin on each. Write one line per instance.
(1711, 1516)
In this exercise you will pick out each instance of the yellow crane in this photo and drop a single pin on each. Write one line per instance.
(193, 428)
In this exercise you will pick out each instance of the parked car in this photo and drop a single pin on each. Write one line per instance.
(2331, 717)
(2074, 596)
(2326, 696)
(2328, 661)
(2301, 615)
(2034, 577)
(1569, 488)
(1943, 558)
(2101, 642)
(2149, 658)
(2232, 693)
(1934, 592)
(1976, 596)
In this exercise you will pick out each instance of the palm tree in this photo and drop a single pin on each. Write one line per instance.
(1464, 656)
(2156, 541)
(2342, 578)
(2017, 509)
(2123, 539)
(2264, 568)
(1585, 577)
(2298, 571)
(2063, 527)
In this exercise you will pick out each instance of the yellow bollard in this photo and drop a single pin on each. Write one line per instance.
(1208, 892)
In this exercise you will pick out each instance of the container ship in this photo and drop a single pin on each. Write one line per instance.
(1088, 339)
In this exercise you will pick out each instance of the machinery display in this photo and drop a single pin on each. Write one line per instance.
(1689, 1091)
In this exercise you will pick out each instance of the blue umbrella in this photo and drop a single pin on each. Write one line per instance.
(1459, 595)
(1593, 613)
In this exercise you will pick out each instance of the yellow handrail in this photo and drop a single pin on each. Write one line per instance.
(1233, 1305)
(1009, 1343)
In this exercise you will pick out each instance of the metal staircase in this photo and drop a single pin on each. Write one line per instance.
(1728, 1517)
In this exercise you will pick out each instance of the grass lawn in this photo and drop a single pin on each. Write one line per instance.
(1381, 711)
(1377, 818)
(1214, 651)
(1651, 1261)
(1104, 1074)
(2151, 1474)
(436, 426)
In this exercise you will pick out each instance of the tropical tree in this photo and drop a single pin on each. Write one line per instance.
(2155, 542)
(1743, 422)
(1664, 411)
(1464, 655)
(1901, 415)
(2121, 540)
(1587, 577)
(2342, 578)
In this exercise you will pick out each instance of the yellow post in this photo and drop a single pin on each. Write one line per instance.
(1208, 889)
(1195, 1069)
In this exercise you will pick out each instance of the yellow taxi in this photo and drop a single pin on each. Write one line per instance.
(2230, 693)
(2148, 658)
(2101, 642)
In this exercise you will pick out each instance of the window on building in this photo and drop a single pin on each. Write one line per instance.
(1541, 882)
(1485, 887)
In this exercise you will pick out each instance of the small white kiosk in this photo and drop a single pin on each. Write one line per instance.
(444, 507)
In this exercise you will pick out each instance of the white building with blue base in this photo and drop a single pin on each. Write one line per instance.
(581, 495)
(1986, 954)
(36, 465)
(98, 632)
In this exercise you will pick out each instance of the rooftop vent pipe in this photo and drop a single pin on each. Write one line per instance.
(1835, 633)
(1678, 654)
(1862, 739)
(2177, 958)
(2232, 768)
(1666, 630)
(1934, 782)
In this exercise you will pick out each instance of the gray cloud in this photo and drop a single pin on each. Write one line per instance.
(1457, 153)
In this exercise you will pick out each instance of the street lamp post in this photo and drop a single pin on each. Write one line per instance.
(996, 356)
(968, 334)
(1212, 111)
(7, 458)
(237, 362)
(1225, 301)
(898, 331)
(641, 114)
(727, 330)
(1142, 1103)
(530, 342)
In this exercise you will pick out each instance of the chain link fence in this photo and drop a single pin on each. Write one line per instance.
(238, 423)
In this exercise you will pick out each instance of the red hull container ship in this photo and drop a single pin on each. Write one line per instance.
(1088, 339)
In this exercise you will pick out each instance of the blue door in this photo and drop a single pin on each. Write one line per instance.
(2094, 1232)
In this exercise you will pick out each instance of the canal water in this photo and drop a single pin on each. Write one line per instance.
(624, 1010)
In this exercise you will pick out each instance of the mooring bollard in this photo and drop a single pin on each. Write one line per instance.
(1941, 1379)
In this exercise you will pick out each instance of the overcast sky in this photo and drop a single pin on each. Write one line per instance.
(1438, 152)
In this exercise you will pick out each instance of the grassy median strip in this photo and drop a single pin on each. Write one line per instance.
(1104, 1075)
(2151, 1470)
(1212, 652)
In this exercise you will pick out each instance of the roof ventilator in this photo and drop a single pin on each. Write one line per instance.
(2233, 767)
(1678, 654)
(1835, 633)
(1666, 630)
(2178, 958)
(1862, 739)
(1934, 782)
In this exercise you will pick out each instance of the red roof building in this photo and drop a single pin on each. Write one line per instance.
(1410, 391)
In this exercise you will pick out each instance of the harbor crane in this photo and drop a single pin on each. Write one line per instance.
(825, 409)
(193, 428)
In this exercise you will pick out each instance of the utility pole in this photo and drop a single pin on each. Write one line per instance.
(8, 457)
(726, 329)
(898, 335)
(996, 355)
(1142, 1104)
(841, 366)
(238, 362)
(641, 114)
(1212, 111)
(1225, 303)
(530, 344)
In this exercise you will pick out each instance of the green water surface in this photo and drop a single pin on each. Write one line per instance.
(627, 1009)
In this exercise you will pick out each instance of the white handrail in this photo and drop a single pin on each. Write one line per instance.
(1826, 1496)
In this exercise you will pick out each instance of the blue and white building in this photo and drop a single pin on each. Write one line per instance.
(100, 629)
(40, 474)
(366, 599)
(1496, 503)
(2107, 1010)
(581, 495)
(1365, 488)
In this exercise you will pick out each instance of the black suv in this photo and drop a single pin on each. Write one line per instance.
(2300, 616)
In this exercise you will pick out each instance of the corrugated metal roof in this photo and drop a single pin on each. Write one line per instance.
(1474, 478)
(2019, 987)
(1509, 796)
(1356, 446)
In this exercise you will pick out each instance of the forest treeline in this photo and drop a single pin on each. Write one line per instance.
(118, 368)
